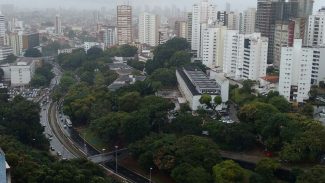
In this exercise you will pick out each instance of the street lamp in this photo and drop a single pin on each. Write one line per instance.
(116, 147)
(150, 175)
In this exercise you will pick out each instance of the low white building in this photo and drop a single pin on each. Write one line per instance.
(67, 50)
(223, 82)
(193, 82)
(22, 71)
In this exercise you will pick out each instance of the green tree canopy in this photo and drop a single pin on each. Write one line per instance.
(32, 52)
(228, 171)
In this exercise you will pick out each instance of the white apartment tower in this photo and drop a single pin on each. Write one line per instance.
(124, 24)
(233, 21)
(2, 29)
(58, 26)
(16, 42)
(316, 29)
(295, 72)
(249, 17)
(213, 46)
(148, 29)
(245, 56)
(203, 13)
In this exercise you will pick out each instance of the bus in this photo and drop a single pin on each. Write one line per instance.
(68, 122)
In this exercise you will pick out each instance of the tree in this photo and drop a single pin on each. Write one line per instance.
(266, 168)
(206, 99)
(314, 175)
(186, 124)
(308, 110)
(32, 52)
(136, 126)
(197, 151)
(127, 51)
(228, 171)
(167, 77)
(247, 86)
(252, 112)
(10, 58)
(185, 173)
(130, 102)
(179, 58)
(280, 103)
(94, 53)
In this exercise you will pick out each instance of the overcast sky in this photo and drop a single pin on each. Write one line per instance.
(235, 4)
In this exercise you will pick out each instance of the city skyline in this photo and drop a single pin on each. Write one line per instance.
(238, 5)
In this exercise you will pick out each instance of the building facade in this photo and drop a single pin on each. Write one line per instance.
(249, 17)
(213, 46)
(4, 52)
(192, 83)
(203, 13)
(124, 24)
(181, 29)
(31, 40)
(4, 169)
(108, 36)
(58, 25)
(148, 29)
(16, 42)
(316, 29)
(245, 56)
(22, 71)
(2, 29)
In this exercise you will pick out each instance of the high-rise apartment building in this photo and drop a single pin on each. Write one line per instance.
(213, 46)
(107, 35)
(124, 24)
(202, 13)
(245, 56)
(148, 29)
(4, 52)
(181, 29)
(16, 42)
(305, 7)
(284, 35)
(58, 26)
(233, 20)
(222, 18)
(300, 68)
(249, 17)
(268, 13)
(31, 40)
(2, 29)
(316, 29)
(189, 27)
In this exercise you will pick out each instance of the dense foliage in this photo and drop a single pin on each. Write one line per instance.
(26, 149)
(43, 76)
(32, 52)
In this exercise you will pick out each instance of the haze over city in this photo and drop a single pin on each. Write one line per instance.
(88, 4)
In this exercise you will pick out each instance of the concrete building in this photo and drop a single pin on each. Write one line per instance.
(16, 42)
(233, 20)
(124, 24)
(148, 29)
(2, 29)
(192, 83)
(305, 7)
(203, 13)
(88, 45)
(268, 13)
(31, 40)
(6, 71)
(108, 36)
(284, 35)
(245, 56)
(316, 29)
(222, 18)
(213, 46)
(295, 72)
(5, 176)
(181, 29)
(4, 52)
(66, 50)
(249, 17)
(189, 27)
(58, 25)
(22, 71)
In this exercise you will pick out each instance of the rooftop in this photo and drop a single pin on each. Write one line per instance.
(24, 61)
(198, 82)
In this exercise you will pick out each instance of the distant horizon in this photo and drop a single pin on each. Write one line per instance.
(236, 5)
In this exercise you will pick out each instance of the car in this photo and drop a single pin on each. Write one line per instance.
(50, 138)
(52, 148)
(64, 126)
(59, 153)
